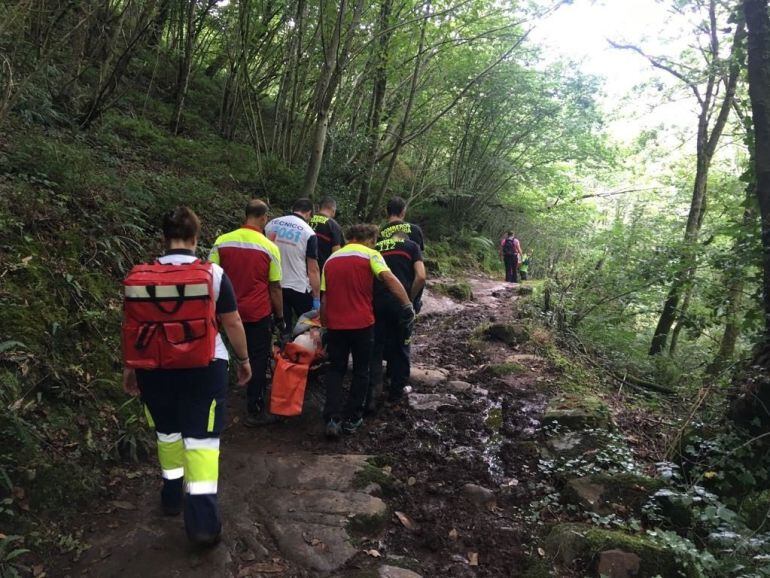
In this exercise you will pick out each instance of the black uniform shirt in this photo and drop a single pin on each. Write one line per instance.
(414, 232)
(400, 255)
(329, 234)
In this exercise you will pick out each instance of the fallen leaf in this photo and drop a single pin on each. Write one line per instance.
(374, 553)
(473, 558)
(411, 481)
(26, 260)
(38, 571)
(709, 475)
(541, 552)
(453, 534)
(406, 521)
(123, 505)
(387, 469)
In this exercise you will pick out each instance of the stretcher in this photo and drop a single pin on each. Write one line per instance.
(293, 364)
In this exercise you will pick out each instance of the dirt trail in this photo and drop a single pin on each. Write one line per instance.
(295, 504)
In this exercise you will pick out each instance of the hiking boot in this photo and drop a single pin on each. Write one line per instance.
(206, 540)
(259, 419)
(350, 426)
(333, 429)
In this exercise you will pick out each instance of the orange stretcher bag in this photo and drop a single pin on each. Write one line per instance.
(290, 379)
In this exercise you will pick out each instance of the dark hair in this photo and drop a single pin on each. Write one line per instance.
(302, 206)
(510, 233)
(181, 223)
(362, 232)
(328, 203)
(396, 206)
(256, 208)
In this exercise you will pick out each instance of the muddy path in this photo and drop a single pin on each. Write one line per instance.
(440, 486)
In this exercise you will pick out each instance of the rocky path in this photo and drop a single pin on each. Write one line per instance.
(438, 487)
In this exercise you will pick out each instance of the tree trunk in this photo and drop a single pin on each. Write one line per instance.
(756, 12)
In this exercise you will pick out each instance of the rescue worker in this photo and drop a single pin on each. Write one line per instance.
(328, 231)
(347, 313)
(396, 213)
(253, 264)
(510, 251)
(300, 275)
(186, 406)
(524, 267)
(391, 339)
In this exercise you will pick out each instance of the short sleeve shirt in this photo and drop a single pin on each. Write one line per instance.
(252, 262)
(400, 256)
(296, 242)
(329, 234)
(223, 291)
(413, 231)
(348, 286)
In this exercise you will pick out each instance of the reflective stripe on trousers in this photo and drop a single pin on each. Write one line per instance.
(201, 465)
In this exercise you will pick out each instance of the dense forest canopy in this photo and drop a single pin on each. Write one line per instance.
(640, 192)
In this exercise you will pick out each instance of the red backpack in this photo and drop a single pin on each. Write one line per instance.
(169, 316)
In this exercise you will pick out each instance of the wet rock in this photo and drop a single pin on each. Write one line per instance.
(431, 401)
(569, 543)
(506, 333)
(618, 564)
(459, 386)
(525, 290)
(578, 413)
(606, 493)
(427, 376)
(396, 572)
(479, 495)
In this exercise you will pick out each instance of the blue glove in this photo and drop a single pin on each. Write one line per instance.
(317, 303)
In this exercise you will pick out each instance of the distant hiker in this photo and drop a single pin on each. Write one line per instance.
(348, 315)
(391, 338)
(524, 266)
(510, 249)
(298, 244)
(328, 231)
(176, 360)
(396, 213)
(253, 263)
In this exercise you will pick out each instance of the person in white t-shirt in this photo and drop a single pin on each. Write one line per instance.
(298, 244)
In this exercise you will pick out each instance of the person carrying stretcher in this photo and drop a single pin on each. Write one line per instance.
(348, 315)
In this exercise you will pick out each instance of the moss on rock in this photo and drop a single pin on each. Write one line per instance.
(507, 333)
(460, 290)
(578, 543)
(578, 412)
(608, 493)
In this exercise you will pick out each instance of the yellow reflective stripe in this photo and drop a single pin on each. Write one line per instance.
(201, 465)
(201, 488)
(147, 415)
(378, 264)
(171, 454)
(212, 415)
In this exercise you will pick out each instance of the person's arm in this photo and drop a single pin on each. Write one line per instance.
(276, 299)
(323, 309)
(314, 275)
(231, 322)
(419, 279)
(518, 247)
(338, 239)
(395, 287)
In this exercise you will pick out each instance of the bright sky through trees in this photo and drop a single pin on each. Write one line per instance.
(579, 32)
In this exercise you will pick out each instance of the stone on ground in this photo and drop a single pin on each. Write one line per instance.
(427, 376)
(507, 333)
(459, 386)
(571, 543)
(479, 496)
(578, 412)
(396, 572)
(608, 493)
(618, 564)
(431, 401)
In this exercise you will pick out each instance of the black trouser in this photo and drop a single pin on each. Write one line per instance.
(511, 267)
(258, 341)
(391, 343)
(340, 344)
(295, 303)
(187, 409)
